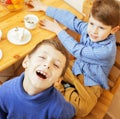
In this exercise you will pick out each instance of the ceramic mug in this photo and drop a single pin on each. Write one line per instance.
(31, 21)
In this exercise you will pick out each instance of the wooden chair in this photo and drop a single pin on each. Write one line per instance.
(102, 106)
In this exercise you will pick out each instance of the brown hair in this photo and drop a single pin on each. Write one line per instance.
(107, 12)
(57, 45)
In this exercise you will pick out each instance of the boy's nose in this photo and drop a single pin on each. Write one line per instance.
(95, 30)
(47, 64)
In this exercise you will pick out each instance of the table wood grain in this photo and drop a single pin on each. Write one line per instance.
(8, 20)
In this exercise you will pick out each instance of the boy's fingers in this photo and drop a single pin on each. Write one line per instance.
(41, 23)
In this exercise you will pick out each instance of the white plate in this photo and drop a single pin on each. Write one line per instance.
(26, 37)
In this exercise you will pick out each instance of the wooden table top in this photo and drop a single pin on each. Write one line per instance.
(8, 20)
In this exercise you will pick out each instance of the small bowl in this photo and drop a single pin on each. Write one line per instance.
(31, 21)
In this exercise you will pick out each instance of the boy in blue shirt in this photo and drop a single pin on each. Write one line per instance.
(32, 94)
(95, 53)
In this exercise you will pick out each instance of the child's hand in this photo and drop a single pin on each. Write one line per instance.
(51, 26)
(37, 5)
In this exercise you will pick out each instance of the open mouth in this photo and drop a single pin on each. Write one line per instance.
(41, 74)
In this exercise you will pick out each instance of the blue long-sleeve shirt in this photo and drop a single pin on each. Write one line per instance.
(15, 103)
(93, 59)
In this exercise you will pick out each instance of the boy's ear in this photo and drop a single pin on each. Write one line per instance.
(25, 62)
(115, 29)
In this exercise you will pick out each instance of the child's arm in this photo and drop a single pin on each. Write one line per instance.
(68, 41)
(63, 16)
(77, 49)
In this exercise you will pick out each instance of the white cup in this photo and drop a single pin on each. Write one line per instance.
(31, 21)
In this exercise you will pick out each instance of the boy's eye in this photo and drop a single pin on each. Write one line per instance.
(101, 27)
(42, 57)
(56, 65)
(91, 23)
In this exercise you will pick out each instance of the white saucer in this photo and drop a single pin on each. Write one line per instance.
(26, 38)
(0, 54)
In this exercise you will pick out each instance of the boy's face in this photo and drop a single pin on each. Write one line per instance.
(44, 67)
(97, 31)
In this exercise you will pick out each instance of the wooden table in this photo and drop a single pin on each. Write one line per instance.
(8, 20)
